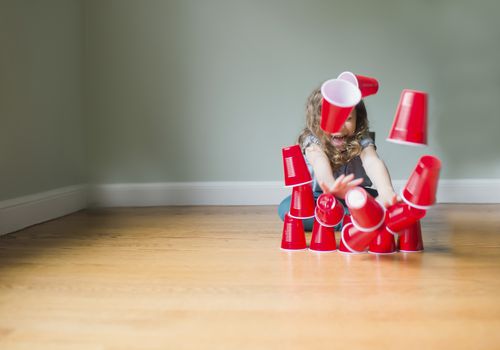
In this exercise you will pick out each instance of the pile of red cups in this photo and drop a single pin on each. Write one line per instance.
(370, 227)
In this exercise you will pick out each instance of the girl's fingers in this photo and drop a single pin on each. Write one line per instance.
(337, 182)
(355, 182)
(348, 178)
(339, 179)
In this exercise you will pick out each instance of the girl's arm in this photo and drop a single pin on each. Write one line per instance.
(378, 173)
(323, 172)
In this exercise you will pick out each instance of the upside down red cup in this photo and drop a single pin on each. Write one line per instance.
(302, 203)
(410, 122)
(400, 216)
(329, 211)
(339, 99)
(410, 239)
(355, 240)
(384, 242)
(294, 166)
(366, 213)
(342, 246)
(420, 190)
(367, 85)
(294, 237)
(323, 238)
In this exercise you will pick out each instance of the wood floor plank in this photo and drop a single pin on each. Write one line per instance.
(214, 277)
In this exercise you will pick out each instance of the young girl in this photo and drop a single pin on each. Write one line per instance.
(343, 160)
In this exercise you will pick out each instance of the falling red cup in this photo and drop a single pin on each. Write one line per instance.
(383, 243)
(295, 167)
(366, 213)
(339, 99)
(294, 237)
(367, 85)
(410, 239)
(323, 238)
(302, 203)
(410, 122)
(400, 216)
(329, 211)
(355, 240)
(420, 190)
(342, 246)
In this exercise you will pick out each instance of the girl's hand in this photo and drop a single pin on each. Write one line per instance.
(388, 198)
(341, 185)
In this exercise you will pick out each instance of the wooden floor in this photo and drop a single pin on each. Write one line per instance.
(214, 277)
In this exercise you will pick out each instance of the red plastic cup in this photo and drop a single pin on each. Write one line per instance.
(410, 122)
(294, 237)
(367, 85)
(329, 211)
(295, 167)
(302, 203)
(339, 99)
(346, 220)
(400, 216)
(342, 247)
(355, 240)
(366, 213)
(384, 242)
(323, 238)
(410, 239)
(420, 190)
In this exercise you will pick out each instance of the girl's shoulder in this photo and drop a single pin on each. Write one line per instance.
(308, 140)
(366, 141)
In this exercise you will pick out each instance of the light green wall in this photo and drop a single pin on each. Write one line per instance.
(41, 137)
(211, 90)
(192, 90)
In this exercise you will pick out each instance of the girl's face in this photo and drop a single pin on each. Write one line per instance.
(348, 129)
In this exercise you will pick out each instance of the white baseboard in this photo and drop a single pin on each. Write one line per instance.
(188, 193)
(261, 193)
(21, 212)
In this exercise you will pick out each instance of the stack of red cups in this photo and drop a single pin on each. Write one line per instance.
(418, 195)
(298, 177)
(328, 213)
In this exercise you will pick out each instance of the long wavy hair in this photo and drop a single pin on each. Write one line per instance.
(313, 119)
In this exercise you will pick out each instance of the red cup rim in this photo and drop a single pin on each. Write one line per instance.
(369, 229)
(300, 184)
(407, 143)
(351, 75)
(360, 190)
(292, 250)
(395, 234)
(407, 201)
(377, 253)
(356, 92)
(300, 217)
(322, 251)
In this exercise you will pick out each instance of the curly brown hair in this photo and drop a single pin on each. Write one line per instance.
(313, 118)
